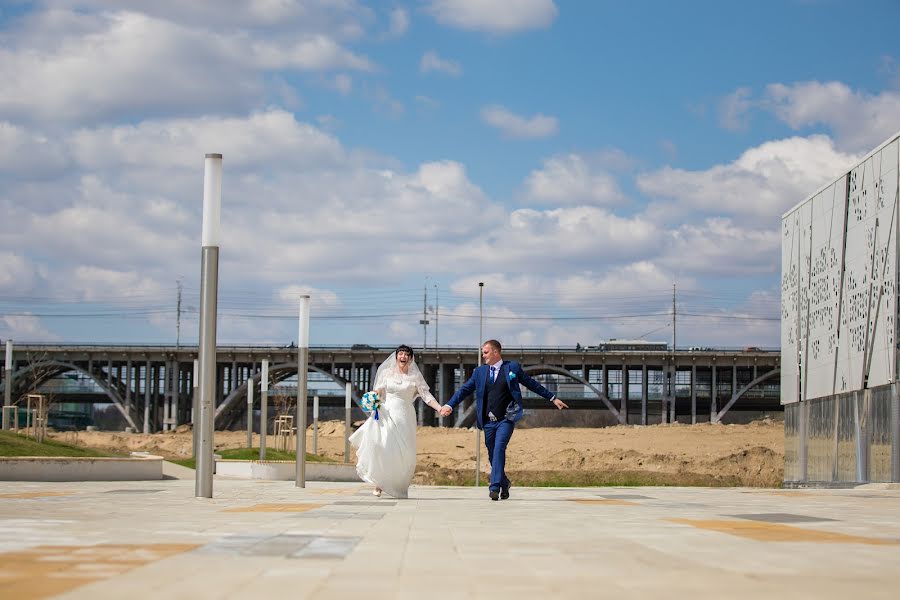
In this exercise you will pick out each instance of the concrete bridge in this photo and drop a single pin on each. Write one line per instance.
(153, 386)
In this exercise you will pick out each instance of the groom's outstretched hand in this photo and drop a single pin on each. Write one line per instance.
(560, 404)
(446, 410)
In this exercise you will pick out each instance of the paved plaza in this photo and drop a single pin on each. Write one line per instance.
(261, 539)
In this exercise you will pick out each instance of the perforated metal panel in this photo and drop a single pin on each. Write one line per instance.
(839, 283)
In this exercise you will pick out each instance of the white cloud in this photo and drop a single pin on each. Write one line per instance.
(733, 109)
(565, 239)
(264, 138)
(319, 298)
(859, 120)
(721, 247)
(28, 153)
(432, 62)
(16, 272)
(385, 103)
(494, 16)
(342, 83)
(344, 19)
(118, 64)
(28, 328)
(572, 179)
(93, 283)
(515, 126)
(399, 21)
(762, 183)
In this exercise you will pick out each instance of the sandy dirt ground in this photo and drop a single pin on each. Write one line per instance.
(703, 454)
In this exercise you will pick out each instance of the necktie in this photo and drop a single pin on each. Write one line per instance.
(492, 374)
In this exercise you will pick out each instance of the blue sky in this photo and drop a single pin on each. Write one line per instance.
(580, 158)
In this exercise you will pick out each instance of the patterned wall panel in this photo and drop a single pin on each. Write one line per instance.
(819, 349)
(839, 283)
(790, 295)
(868, 318)
(880, 352)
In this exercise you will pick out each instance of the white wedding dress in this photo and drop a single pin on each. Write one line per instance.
(386, 448)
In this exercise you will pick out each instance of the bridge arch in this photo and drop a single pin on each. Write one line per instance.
(227, 411)
(44, 371)
(737, 395)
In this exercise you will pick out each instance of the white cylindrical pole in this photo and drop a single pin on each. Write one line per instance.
(7, 384)
(250, 412)
(348, 398)
(212, 200)
(263, 408)
(302, 360)
(316, 424)
(195, 410)
(209, 286)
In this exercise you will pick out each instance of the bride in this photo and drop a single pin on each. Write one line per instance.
(386, 447)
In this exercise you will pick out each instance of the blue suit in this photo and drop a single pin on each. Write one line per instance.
(498, 433)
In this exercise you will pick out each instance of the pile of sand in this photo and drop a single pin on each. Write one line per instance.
(702, 454)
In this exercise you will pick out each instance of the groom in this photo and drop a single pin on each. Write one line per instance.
(498, 404)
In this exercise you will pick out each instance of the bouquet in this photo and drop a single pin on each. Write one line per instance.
(370, 403)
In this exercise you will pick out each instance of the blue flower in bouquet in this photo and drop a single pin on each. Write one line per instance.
(370, 403)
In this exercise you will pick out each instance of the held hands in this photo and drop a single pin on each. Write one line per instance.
(445, 410)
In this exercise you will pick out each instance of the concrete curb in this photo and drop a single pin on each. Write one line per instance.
(285, 470)
(138, 467)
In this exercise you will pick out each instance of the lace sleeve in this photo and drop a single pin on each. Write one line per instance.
(425, 393)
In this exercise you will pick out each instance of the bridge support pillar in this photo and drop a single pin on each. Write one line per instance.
(644, 393)
(693, 394)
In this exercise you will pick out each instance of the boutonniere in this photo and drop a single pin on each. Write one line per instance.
(512, 375)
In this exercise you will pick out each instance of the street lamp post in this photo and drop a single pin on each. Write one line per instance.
(209, 285)
(195, 407)
(302, 360)
(250, 412)
(7, 387)
(478, 361)
(263, 408)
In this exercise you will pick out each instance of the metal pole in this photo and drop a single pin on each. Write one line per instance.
(7, 387)
(315, 424)
(424, 321)
(347, 400)
(263, 408)
(209, 285)
(302, 360)
(195, 409)
(250, 412)
(672, 415)
(478, 361)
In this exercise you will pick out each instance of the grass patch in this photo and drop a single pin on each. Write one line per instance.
(253, 454)
(582, 479)
(14, 444)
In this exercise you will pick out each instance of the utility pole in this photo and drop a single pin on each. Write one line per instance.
(424, 322)
(673, 319)
(437, 307)
(178, 316)
(674, 366)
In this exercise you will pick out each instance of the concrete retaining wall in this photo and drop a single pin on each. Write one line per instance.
(285, 470)
(41, 468)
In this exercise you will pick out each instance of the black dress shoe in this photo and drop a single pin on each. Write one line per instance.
(495, 494)
(504, 493)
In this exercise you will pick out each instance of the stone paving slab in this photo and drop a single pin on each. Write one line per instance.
(154, 539)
